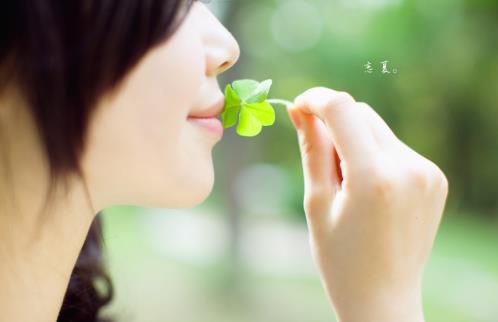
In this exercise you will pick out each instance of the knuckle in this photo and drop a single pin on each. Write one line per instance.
(381, 184)
(441, 181)
(429, 177)
(340, 98)
(382, 188)
(344, 96)
(443, 185)
(444, 182)
(417, 177)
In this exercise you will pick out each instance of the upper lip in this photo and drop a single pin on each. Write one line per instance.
(211, 111)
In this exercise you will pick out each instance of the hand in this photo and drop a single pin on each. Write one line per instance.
(372, 205)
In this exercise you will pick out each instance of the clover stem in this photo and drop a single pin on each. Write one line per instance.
(279, 101)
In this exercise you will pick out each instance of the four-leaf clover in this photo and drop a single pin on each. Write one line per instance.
(246, 99)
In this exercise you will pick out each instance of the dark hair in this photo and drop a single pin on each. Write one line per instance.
(63, 56)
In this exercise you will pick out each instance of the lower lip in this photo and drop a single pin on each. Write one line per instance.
(211, 124)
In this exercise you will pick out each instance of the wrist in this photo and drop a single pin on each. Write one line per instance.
(384, 307)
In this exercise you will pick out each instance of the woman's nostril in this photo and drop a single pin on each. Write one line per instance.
(223, 67)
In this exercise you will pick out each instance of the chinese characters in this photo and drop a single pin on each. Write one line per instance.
(369, 68)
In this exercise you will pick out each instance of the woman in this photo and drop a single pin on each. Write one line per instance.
(101, 103)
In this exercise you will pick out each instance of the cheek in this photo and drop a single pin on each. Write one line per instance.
(165, 87)
(142, 149)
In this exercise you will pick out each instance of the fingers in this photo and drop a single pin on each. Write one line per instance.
(344, 121)
(321, 178)
(381, 131)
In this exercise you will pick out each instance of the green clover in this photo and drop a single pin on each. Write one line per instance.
(247, 100)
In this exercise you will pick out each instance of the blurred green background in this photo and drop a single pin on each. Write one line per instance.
(243, 254)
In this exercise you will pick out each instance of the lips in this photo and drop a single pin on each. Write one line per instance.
(211, 111)
(211, 124)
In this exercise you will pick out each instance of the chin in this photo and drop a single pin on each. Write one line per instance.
(201, 191)
(188, 193)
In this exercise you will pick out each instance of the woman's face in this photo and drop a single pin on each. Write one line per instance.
(141, 147)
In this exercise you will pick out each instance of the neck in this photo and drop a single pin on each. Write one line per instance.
(37, 250)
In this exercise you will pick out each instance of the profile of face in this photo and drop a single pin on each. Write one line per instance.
(141, 149)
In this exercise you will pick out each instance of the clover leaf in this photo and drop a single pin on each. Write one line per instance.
(247, 100)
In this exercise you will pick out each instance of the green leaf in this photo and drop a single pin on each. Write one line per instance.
(263, 112)
(247, 100)
(229, 117)
(232, 105)
(244, 88)
(231, 97)
(260, 93)
(248, 124)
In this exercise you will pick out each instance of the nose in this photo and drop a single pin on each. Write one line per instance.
(222, 50)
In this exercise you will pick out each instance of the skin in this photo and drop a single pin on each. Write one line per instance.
(372, 204)
(370, 233)
(141, 149)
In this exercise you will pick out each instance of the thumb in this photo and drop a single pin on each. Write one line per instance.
(321, 180)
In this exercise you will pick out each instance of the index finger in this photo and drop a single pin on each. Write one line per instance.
(342, 116)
